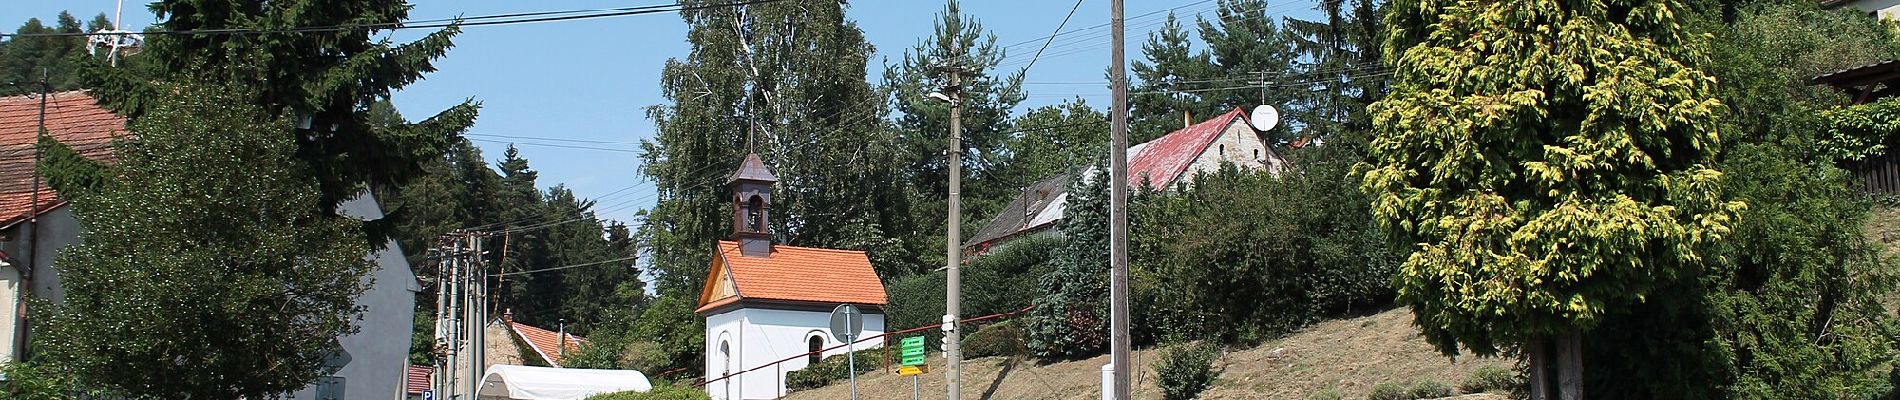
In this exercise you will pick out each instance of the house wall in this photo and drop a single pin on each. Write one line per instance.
(377, 356)
(1238, 144)
(1888, 9)
(57, 230)
(759, 336)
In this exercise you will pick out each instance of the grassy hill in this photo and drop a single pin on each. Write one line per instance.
(1348, 355)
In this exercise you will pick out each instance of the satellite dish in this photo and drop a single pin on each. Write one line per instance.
(1264, 118)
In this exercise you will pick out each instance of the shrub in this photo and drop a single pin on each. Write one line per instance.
(1326, 394)
(1000, 339)
(1430, 389)
(1489, 378)
(831, 369)
(1186, 370)
(1388, 391)
(658, 393)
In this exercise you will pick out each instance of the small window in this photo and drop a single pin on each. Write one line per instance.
(1256, 154)
(755, 214)
(814, 345)
(1223, 149)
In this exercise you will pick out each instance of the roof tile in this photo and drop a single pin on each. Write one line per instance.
(73, 118)
(546, 342)
(803, 274)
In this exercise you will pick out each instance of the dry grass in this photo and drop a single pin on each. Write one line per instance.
(1348, 355)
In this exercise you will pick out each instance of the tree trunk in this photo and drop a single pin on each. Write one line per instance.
(1539, 355)
(1570, 365)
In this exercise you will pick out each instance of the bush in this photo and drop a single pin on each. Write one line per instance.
(658, 393)
(1000, 339)
(831, 369)
(1489, 378)
(1186, 370)
(1388, 391)
(1430, 389)
(1326, 394)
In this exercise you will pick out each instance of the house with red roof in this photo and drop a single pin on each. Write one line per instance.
(765, 302)
(35, 224)
(1159, 164)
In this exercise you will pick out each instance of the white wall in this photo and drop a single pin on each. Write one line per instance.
(759, 337)
(1238, 144)
(57, 230)
(378, 354)
(1889, 9)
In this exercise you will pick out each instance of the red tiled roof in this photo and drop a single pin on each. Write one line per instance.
(801, 274)
(72, 118)
(416, 379)
(545, 342)
(1167, 158)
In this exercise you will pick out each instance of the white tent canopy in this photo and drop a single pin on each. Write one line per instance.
(518, 382)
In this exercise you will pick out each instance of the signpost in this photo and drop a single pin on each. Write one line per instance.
(846, 322)
(910, 355)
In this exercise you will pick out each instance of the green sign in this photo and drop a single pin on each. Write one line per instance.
(911, 351)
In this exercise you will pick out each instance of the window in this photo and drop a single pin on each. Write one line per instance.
(755, 214)
(814, 345)
(330, 388)
(1256, 154)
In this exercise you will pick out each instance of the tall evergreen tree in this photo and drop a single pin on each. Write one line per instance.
(1246, 47)
(1071, 314)
(1166, 94)
(24, 61)
(327, 80)
(988, 95)
(1343, 68)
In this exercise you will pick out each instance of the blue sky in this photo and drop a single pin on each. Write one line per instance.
(588, 82)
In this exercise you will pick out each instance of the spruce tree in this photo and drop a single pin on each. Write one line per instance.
(988, 96)
(1071, 314)
(1167, 95)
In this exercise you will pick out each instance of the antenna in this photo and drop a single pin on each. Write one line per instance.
(113, 38)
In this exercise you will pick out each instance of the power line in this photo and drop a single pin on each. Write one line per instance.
(1052, 36)
(484, 20)
(565, 267)
(564, 146)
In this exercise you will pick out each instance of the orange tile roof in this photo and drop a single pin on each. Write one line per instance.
(546, 342)
(417, 379)
(801, 274)
(72, 118)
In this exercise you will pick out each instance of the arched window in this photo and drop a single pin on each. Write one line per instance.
(755, 214)
(725, 357)
(813, 345)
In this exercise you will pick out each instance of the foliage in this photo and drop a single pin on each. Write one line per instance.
(1340, 73)
(660, 392)
(1860, 131)
(988, 96)
(1788, 306)
(999, 339)
(1490, 379)
(917, 301)
(1246, 43)
(24, 61)
(1388, 391)
(1071, 314)
(1167, 84)
(1430, 389)
(1542, 186)
(332, 79)
(202, 274)
(670, 323)
(33, 381)
(831, 369)
(1186, 369)
(1048, 141)
(995, 282)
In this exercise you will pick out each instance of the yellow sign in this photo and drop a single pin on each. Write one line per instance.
(909, 370)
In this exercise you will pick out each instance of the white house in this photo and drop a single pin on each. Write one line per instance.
(1886, 9)
(1160, 164)
(768, 307)
(36, 224)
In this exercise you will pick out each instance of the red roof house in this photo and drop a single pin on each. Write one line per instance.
(72, 118)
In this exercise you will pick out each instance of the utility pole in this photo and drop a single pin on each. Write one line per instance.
(477, 310)
(952, 336)
(1118, 210)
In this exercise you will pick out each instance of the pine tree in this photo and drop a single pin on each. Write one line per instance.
(988, 95)
(1165, 95)
(201, 275)
(1248, 47)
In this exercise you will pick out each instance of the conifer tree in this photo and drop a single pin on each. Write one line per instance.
(1166, 95)
(1547, 162)
(1071, 314)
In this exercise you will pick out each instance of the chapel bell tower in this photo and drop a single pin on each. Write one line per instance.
(751, 188)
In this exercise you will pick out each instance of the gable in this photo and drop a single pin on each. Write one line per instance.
(719, 284)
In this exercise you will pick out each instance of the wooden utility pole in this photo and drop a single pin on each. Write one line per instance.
(1118, 209)
(953, 295)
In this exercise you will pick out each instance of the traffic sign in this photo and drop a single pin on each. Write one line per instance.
(846, 323)
(911, 351)
(909, 370)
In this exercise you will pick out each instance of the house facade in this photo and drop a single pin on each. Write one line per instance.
(1886, 9)
(1159, 164)
(766, 303)
(36, 224)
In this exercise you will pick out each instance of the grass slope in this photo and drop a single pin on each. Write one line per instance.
(1348, 355)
